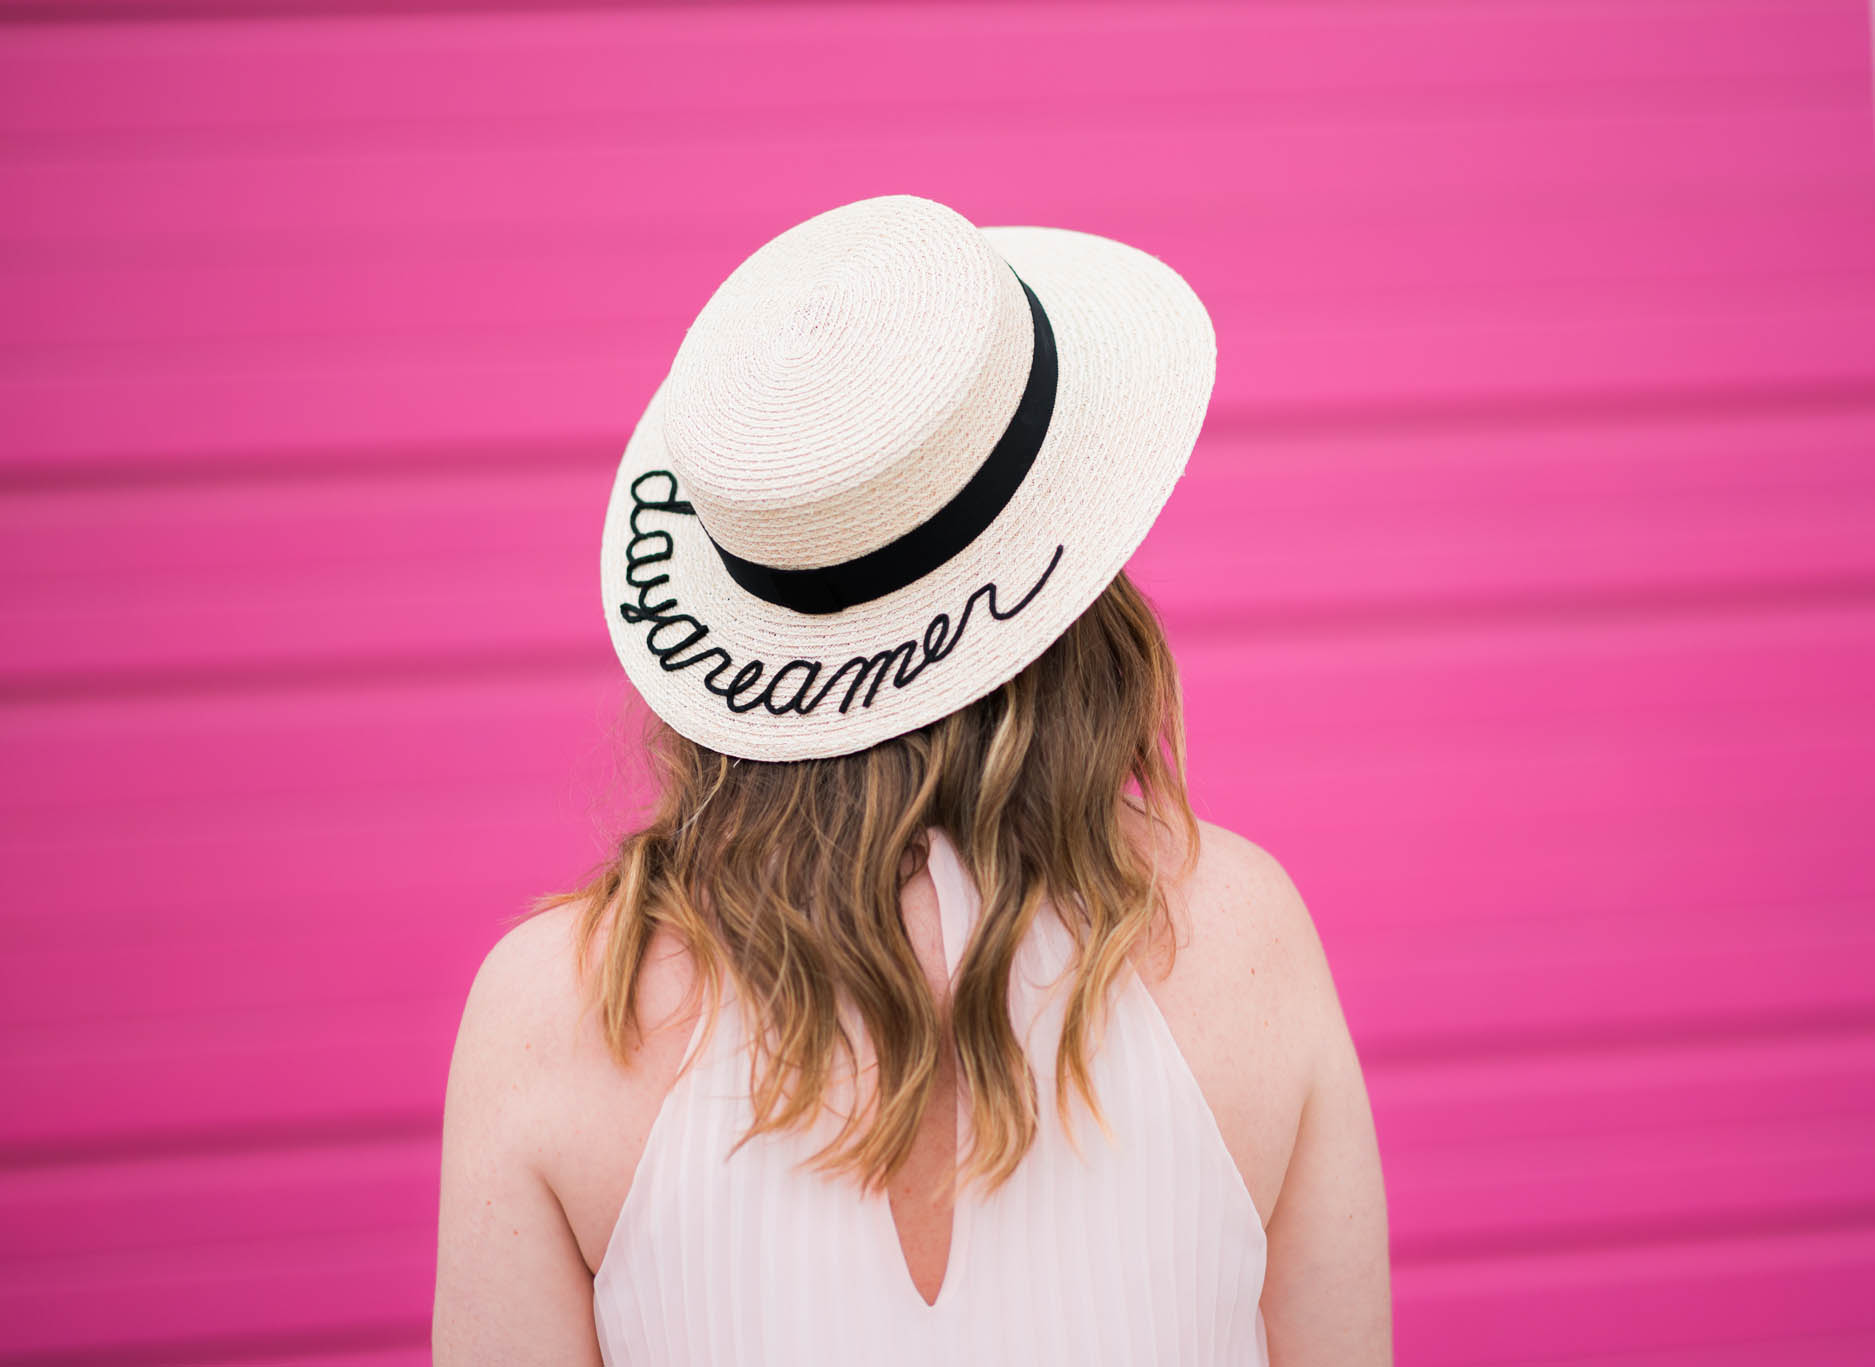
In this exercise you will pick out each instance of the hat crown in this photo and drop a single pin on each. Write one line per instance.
(845, 381)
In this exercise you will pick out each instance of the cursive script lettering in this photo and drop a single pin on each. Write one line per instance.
(677, 639)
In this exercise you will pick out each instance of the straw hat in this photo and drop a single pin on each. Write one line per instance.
(895, 457)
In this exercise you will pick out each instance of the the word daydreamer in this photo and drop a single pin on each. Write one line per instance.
(676, 638)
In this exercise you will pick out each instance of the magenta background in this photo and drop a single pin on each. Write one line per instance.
(1524, 582)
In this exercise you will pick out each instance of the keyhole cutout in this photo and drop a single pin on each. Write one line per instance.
(922, 1197)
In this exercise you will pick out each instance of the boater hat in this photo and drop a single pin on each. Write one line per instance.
(895, 457)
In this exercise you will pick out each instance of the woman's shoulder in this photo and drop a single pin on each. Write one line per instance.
(1247, 940)
(1247, 995)
(532, 1056)
(534, 988)
(1236, 905)
(1251, 907)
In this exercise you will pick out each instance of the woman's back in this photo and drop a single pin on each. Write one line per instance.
(1147, 1249)
(1215, 1054)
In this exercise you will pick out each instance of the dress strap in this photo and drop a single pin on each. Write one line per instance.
(957, 897)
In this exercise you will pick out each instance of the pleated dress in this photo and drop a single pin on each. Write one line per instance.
(1143, 1249)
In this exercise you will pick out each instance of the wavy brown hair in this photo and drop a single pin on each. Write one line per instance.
(786, 878)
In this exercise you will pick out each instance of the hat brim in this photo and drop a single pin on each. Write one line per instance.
(1137, 359)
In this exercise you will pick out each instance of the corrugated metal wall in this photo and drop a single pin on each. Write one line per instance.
(1524, 582)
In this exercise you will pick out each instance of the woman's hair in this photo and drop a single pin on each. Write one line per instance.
(786, 876)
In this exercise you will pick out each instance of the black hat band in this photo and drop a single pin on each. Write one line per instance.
(832, 588)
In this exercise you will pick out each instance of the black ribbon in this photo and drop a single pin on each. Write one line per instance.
(831, 588)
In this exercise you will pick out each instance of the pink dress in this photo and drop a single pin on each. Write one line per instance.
(1146, 1249)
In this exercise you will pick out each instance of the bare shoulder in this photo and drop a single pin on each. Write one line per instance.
(521, 1035)
(1242, 980)
(1250, 912)
(518, 1002)
(529, 1018)
(535, 1089)
(1251, 919)
(1291, 1099)
(1241, 927)
(510, 1282)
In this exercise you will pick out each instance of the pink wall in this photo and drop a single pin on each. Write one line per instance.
(1524, 581)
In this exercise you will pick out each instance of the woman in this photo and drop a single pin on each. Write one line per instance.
(923, 1022)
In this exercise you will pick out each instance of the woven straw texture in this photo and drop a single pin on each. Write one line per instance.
(845, 381)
